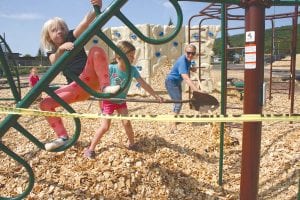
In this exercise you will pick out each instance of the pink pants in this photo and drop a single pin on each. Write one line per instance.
(95, 75)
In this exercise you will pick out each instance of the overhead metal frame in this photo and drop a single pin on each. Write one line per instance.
(252, 103)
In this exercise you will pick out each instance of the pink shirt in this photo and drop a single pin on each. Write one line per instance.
(33, 79)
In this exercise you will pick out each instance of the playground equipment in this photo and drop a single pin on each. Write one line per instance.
(226, 13)
(213, 11)
(221, 12)
(251, 141)
(291, 71)
(7, 66)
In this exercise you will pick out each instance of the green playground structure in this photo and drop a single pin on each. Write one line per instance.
(6, 69)
(11, 121)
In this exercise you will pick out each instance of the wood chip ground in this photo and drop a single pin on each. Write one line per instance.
(183, 165)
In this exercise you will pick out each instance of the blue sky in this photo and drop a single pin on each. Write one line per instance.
(21, 20)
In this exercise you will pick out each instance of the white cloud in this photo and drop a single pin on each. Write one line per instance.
(163, 3)
(168, 5)
(21, 16)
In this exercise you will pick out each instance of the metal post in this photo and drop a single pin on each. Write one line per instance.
(254, 73)
(293, 59)
(224, 24)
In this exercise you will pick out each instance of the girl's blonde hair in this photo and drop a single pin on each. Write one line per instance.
(46, 42)
(125, 46)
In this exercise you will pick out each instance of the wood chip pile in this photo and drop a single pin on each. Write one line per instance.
(183, 165)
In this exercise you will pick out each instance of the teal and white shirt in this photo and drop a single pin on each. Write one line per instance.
(118, 77)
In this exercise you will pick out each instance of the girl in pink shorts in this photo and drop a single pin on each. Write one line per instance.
(118, 76)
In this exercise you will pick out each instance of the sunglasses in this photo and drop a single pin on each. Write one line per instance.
(191, 53)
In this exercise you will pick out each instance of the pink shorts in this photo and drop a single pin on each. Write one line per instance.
(109, 107)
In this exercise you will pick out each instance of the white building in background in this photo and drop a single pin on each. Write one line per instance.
(150, 57)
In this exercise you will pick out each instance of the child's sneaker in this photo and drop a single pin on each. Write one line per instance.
(56, 143)
(111, 89)
(89, 154)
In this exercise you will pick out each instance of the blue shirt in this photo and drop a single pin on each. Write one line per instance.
(118, 77)
(181, 66)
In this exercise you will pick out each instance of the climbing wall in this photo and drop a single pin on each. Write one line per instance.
(208, 36)
(150, 58)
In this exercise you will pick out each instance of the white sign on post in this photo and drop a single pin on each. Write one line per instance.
(250, 36)
(250, 50)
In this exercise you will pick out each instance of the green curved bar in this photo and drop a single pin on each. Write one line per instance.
(28, 135)
(142, 36)
(151, 40)
(26, 166)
